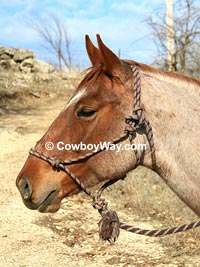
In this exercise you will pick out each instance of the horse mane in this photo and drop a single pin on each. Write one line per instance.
(149, 69)
(91, 74)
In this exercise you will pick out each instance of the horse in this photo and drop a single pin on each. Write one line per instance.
(96, 113)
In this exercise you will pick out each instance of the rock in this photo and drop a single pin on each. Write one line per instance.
(22, 54)
(43, 67)
(27, 65)
(8, 64)
(33, 65)
(11, 51)
(4, 56)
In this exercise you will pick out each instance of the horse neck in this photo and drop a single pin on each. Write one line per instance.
(172, 106)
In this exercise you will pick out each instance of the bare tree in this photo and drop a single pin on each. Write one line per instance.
(55, 38)
(170, 33)
(186, 37)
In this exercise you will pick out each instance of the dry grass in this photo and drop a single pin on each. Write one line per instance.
(22, 93)
(146, 195)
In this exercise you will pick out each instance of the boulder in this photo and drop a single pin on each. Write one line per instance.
(27, 65)
(23, 60)
(22, 54)
(11, 51)
(4, 56)
(43, 67)
(8, 64)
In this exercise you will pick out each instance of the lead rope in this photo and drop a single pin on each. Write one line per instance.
(109, 225)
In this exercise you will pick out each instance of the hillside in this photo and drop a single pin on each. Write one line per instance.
(26, 82)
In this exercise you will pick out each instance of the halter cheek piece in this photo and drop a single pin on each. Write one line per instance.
(109, 224)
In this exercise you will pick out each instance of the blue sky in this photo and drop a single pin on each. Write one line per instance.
(120, 23)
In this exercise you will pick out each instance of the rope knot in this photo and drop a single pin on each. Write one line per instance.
(100, 204)
(55, 163)
(109, 226)
(134, 121)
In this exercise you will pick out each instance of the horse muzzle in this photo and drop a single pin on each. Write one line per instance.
(48, 202)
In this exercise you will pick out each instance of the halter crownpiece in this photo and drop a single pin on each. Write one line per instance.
(137, 120)
(109, 225)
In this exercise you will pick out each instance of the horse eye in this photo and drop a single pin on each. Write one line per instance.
(85, 112)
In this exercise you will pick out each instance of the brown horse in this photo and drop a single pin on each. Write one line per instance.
(96, 113)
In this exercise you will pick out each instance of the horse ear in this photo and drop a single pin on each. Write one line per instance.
(110, 61)
(92, 51)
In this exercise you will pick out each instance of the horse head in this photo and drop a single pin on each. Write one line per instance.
(95, 113)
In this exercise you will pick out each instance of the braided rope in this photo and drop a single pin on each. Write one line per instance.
(58, 165)
(160, 232)
(80, 158)
(101, 205)
(137, 119)
(109, 224)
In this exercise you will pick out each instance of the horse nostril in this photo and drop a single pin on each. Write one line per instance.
(24, 188)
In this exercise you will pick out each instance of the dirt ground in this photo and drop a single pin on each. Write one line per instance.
(70, 236)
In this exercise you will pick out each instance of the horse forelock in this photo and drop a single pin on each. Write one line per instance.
(93, 73)
(91, 76)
